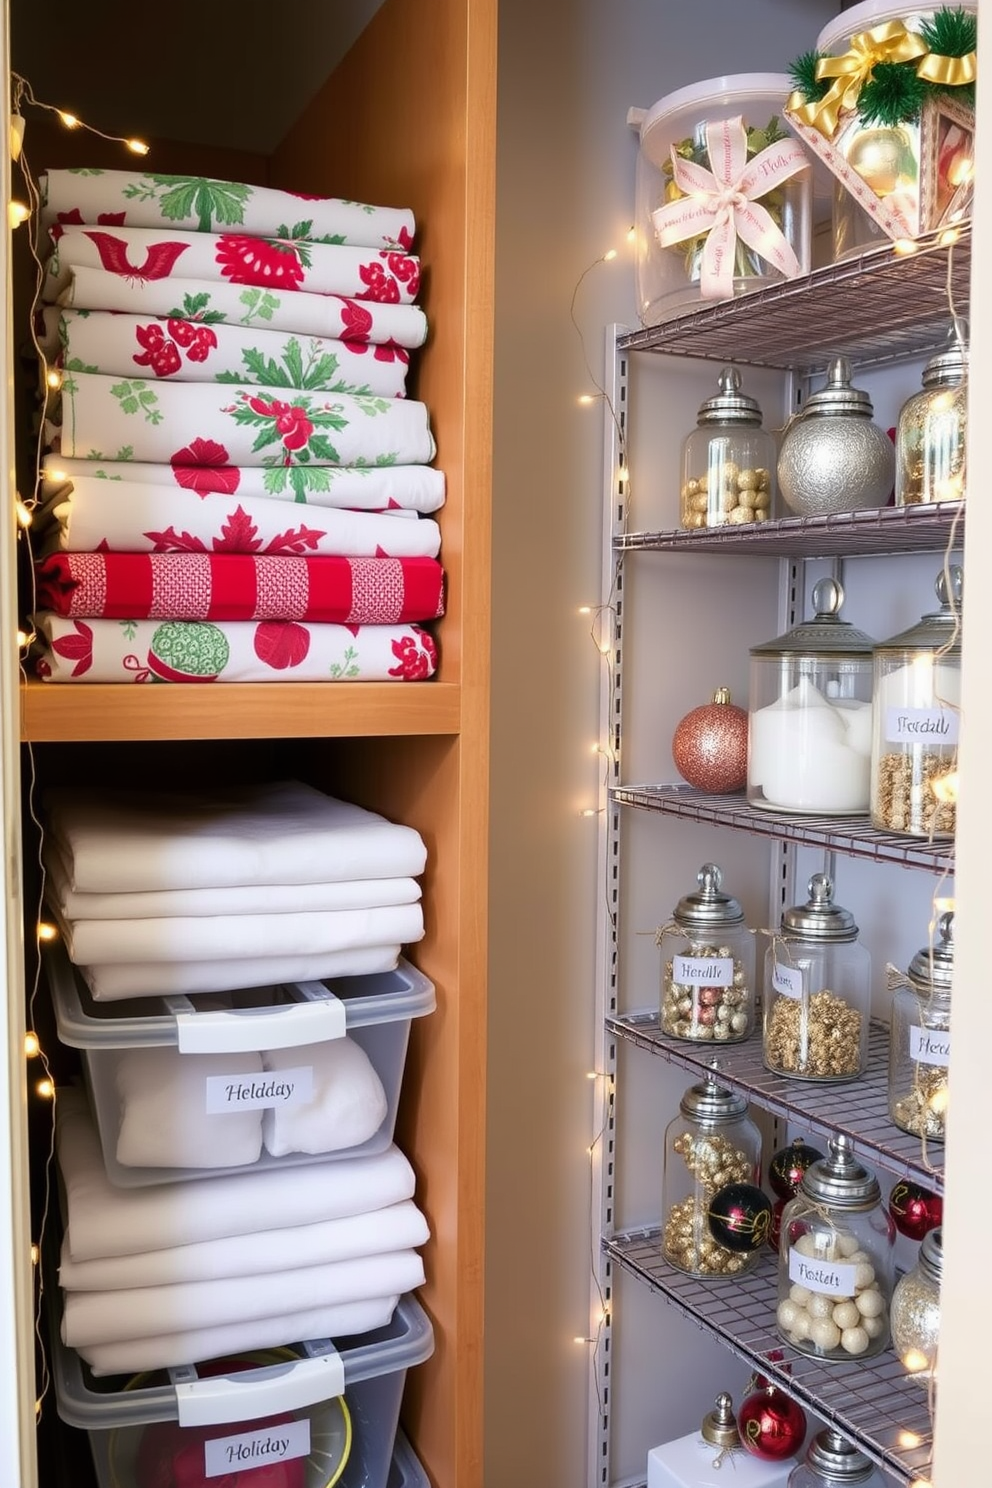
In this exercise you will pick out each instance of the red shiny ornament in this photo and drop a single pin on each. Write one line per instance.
(772, 1425)
(914, 1210)
(710, 746)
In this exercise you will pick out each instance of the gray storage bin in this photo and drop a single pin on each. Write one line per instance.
(405, 1470)
(374, 1011)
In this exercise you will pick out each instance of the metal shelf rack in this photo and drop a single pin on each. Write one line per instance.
(852, 835)
(859, 1109)
(882, 306)
(872, 1401)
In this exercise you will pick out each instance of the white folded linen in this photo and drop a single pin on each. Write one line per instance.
(137, 1312)
(375, 488)
(367, 322)
(135, 517)
(219, 937)
(163, 1117)
(400, 1226)
(343, 1321)
(105, 1221)
(280, 832)
(162, 978)
(246, 899)
(347, 1105)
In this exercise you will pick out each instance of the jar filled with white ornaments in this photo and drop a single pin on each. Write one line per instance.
(728, 461)
(833, 456)
(920, 1037)
(810, 713)
(707, 965)
(915, 717)
(836, 1261)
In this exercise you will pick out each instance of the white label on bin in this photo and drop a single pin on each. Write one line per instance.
(835, 1278)
(257, 1448)
(921, 726)
(788, 980)
(703, 971)
(927, 1046)
(256, 1092)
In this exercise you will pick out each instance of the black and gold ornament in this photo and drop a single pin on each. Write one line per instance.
(739, 1216)
(788, 1166)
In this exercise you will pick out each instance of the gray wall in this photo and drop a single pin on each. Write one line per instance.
(568, 70)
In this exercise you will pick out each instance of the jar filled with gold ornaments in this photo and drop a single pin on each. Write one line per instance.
(916, 1310)
(932, 432)
(817, 991)
(836, 1260)
(920, 1038)
(916, 705)
(710, 1143)
(728, 461)
(707, 972)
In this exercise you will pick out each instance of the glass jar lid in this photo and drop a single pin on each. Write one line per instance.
(840, 1180)
(936, 630)
(719, 1426)
(729, 405)
(825, 635)
(948, 367)
(709, 1101)
(837, 396)
(708, 905)
(836, 1460)
(819, 918)
(932, 968)
(931, 1255)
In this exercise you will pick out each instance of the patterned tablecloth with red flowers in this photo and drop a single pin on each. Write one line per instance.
(212, 338)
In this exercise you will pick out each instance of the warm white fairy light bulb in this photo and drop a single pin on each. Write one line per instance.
(45, 1088)
(32, 1047)
(137, 146)
(69, 120)
(17, 213)
(47, 931)
(25, 516)
(16, 136)
(53, 377)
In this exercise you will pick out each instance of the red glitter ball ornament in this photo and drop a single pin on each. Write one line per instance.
(772, 1425)
(914, 1209)
(710, 745)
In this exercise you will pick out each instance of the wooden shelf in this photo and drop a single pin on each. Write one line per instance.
(96, 711)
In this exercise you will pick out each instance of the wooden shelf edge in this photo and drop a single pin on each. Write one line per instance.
(98, 711)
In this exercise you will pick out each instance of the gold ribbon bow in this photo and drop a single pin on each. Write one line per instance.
(949, 72)
(888, 43)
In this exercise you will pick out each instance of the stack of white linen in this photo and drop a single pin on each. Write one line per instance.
(183, 1272)
(158, 893)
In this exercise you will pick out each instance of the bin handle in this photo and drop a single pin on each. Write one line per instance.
(269, 1390)
(240, 1030)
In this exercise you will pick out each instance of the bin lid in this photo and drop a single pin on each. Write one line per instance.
(756, 95)
(870, 13)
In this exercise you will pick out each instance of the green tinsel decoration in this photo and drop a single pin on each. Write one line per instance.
(952, 33)
(805, 80)
(893, 95)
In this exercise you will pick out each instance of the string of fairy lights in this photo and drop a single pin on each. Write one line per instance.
(602, 618)
(27, 212)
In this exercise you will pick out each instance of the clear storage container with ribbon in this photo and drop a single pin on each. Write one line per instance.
(723, 194)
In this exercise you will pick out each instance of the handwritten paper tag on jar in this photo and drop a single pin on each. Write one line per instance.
(703, 971)
(928, 1047)
(788, 980)
(258, 1092)
(834, 1278)
(918, 725)
(256, 1449)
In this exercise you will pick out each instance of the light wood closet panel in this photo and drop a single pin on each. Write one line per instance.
(408, 118)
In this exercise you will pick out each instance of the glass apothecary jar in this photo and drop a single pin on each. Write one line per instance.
(915, 712)
(817, 991)
(832, 1461)
(836, 1260)
(707, 974)
(920, 1038)
(694, 143)
(710, 1143)
(916, 1310)
(833, 456)
(932, 432)
(810, 712)
(727, 461)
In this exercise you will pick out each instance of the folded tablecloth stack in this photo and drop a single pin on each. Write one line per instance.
(225, 350)
(159, 893)
(182, 1272)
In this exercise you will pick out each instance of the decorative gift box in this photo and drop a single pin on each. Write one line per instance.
(890, 111)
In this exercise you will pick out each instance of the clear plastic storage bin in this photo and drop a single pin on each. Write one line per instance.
(163, 1078)
(206, 1414)
(675, 278)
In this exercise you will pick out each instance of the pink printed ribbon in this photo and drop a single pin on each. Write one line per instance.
(721, 204)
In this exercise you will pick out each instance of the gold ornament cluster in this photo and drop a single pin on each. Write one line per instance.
(726, 494)
(905, 801)
(821, 1042)
(703, 1013)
